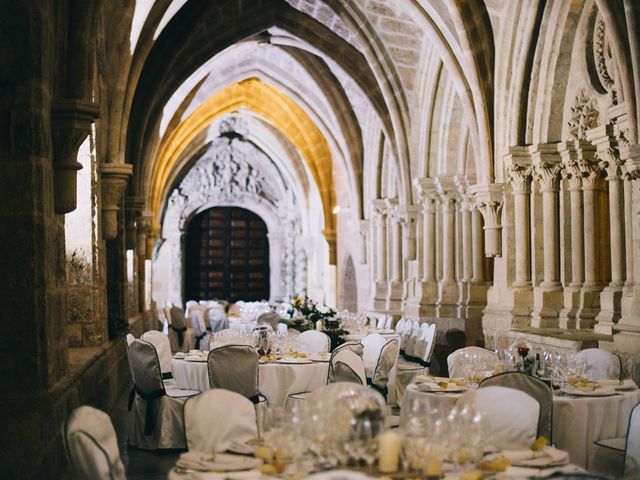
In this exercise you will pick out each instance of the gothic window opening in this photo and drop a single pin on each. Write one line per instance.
(227, 256)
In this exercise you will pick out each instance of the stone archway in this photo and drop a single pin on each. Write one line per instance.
(349, 286)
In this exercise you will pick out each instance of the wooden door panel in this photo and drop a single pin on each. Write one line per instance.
(227, 256)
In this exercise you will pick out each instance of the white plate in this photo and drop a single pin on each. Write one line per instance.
(600, 392)
(226, 462)
(294, 360)
(195, 359)
(426, 387)
(179, 355)
(319, 358)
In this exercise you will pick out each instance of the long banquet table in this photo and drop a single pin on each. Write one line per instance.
(577, 422)
(276, 380)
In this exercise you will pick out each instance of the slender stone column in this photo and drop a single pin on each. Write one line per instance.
(429, 243)
(548, 298)
(590, 187)
(396, 286)
(448, 239)
(628, 221)
(478, 248)
(520, 176)
(380, 226)
(396, 247)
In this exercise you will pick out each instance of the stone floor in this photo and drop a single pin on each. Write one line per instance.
(140, 464)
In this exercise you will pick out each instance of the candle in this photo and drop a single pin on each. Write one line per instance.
(389, 445)
(432, 467)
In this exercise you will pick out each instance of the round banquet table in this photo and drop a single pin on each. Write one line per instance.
(276, 380)
(577, 422)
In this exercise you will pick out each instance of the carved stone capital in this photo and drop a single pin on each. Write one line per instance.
(133, 206)
(447, 193)
(575, 154)
(380, 209)
(330, 236)
(114, 178)
(547, 165)
(426, 192)
(144, 229)
(489, 201)
(71, 122)
(607, 146)
(518, 168)
(465, 199)
(631, 154)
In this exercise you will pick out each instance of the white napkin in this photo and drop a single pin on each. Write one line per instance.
(195, 460)
(546, 457)
(207, 462)
(627, 382)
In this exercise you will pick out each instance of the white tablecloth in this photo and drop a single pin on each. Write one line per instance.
(276, 380)
(577, 422)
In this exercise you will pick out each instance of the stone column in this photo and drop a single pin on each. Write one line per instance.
(426, 286)
(627, 330)
(490, 200)
(364, 240)
(448, 288)
(548, 297)
(380, 255)
(606, 144)
(396, 286)
(572, 153)
(478, 247)
(144, 228)
(520, 179)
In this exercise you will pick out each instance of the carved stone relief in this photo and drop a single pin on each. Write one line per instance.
(232, 171)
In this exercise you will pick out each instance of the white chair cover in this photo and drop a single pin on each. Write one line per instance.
(167, 314)
(217, 320)
(283, 328)
(217, 418)
(181, 338)
(347, 366)
(372, 346)
(510, 415)
(313, 341)
(386, 361)
(429, 339)
(92, 446)
(412, 339)
(632, 450)
(270, 318)
(532, 386)
(403, 329)
(156, 412)
(235, 368)
(355, 347)
(161, 343)
(601, 365)
(381, 322)
(455, 360)
(199, 330)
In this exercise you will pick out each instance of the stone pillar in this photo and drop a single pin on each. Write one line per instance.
(478, 275)
(380, 256)
(396, 285)
(365, 228)
(548, 296)
(520, 179)
(144, 229)
(423, 304)
(627, 337)
(490, 200)
(573, 155)
(606, 144)
(447, 288)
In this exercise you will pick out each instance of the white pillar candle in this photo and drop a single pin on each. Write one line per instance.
(389, 445)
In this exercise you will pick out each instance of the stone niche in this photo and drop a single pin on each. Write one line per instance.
(232, 171)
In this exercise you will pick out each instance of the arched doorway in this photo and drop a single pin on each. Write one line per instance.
(349, 290)
(227, 256)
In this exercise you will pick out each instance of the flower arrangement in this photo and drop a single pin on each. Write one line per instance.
(305, 313)
(526, 364)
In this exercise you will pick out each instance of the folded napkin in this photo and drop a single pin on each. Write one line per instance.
(195, 460)
(524, 472)
(546, 457)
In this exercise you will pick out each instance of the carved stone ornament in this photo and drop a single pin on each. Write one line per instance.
(584, 116)
(520, 177)
(133, 206)
(114, 178)
(489, 200)
(71, 122)
(604, 61)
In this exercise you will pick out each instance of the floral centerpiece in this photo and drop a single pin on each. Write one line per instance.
(305, 313)
(526, 363)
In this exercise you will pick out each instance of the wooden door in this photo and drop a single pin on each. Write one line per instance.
(227, 256)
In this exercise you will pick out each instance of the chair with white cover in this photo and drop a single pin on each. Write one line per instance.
(384, 369)
(313, 341)
(181, 338)
(414, 334)
(156, 411)
(217, 418)
(456, 360)
(372, 346)
(355, 347)
(511, 415)
(199, 330)
(217, 320)
(403, 329)
(601, 364)
(161, 343)
(270, 318)
(92, 446)
(532, 386)
(623, 457)
(235, 368)
(347, 366)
